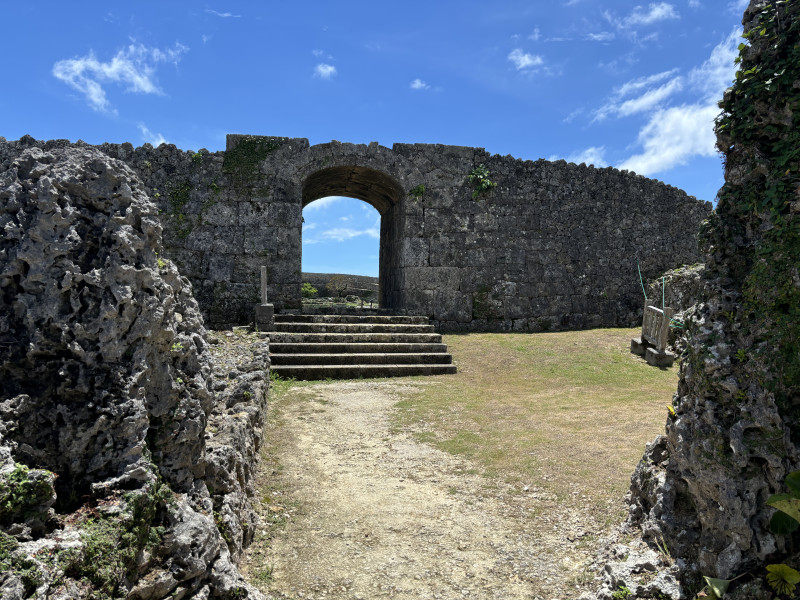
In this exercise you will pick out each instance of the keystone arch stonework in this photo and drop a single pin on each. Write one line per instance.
(553, 245)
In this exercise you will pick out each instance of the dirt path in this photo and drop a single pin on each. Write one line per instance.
(371, 513)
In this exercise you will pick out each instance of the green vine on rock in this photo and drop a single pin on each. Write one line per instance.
(759, 134)
(242, 161)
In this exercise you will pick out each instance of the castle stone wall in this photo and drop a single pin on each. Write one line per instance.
(553, 246)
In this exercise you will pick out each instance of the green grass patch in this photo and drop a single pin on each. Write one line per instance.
(571, 411)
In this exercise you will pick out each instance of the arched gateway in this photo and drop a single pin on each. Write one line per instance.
(384, 194)
(552, 245)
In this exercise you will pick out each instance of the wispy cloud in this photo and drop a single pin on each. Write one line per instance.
(418, 84)
(324, 71)
(322, 203)
(674, 135)
(224, 15)
(641, 95)
(655, 12)
(342, 234)
(523, 61)
(603, 36)
(594, 155)
(133, 67)
(151, 138)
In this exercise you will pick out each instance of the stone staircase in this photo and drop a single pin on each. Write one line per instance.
(318, 346)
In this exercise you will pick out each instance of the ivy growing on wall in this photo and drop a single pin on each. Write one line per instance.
(241, 162)
(759, 133)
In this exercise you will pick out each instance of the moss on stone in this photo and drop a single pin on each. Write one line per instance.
(241, 162)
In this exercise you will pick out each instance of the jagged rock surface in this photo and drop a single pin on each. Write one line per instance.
(106, 391)
(701, 489)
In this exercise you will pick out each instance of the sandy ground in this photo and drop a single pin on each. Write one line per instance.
(371, 513)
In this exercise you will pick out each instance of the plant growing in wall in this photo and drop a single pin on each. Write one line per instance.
(479, 179)
(417, 192)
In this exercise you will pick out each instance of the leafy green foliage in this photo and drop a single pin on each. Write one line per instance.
(241, 163)
(479, 179)
(308, 290)
(623, 593)
(716, 587)
(417, 192)
(782, 578)
(178, 197)
(113, 545)
(759, 131)
(19, 494)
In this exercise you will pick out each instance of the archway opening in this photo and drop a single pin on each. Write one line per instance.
(381, 192)
(340, 251)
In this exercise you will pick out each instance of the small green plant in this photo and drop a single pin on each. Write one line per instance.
(247, 395)
(741, 355)
(179, 380)
(308, 290)
(147, 164)
(479, 179)
(177, 347)
(197, 158)
(265, 575)
(417, 192)
(782, 578)
(622, 593)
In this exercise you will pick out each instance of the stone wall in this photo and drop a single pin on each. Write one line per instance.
(701, 489)
(126, 456)
(552, 246)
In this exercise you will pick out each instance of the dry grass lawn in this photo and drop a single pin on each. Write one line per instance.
(568, 411)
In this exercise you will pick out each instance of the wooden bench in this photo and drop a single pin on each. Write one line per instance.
(655, 331)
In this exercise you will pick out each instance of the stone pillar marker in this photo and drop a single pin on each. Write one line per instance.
(265, 312)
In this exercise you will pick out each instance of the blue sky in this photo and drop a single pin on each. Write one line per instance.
(627, 84)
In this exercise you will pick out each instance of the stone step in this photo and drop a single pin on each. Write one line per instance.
(363, 348)
(343, 358)
(321, 318)
(311, 372)
(356, 338)
(354, 328)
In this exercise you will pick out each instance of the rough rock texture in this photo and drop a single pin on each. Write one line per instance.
(106, 392)
(701, 489)
(680, 289)
(552, 246)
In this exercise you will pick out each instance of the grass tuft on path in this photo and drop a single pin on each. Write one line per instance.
(569, 412)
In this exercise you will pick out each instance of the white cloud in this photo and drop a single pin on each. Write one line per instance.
(737, 6)
(603, 36)
(341, 234)
(695, 3)
(151, 138)
(133, 66)
(324, 71)
(594, 155)
(535, 35)
(418, 84)
(322, 203)
(636, 85)
(640, 95)
(672, 137)
(647, 101)
(716, 74)
(655, 12)
(523, 60)
(225, 15)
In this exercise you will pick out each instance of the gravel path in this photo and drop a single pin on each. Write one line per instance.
(371, 513)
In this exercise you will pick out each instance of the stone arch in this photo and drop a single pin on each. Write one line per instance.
(383, 193)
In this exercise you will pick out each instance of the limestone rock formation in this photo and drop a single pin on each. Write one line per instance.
(701, 489)
(106, 390)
